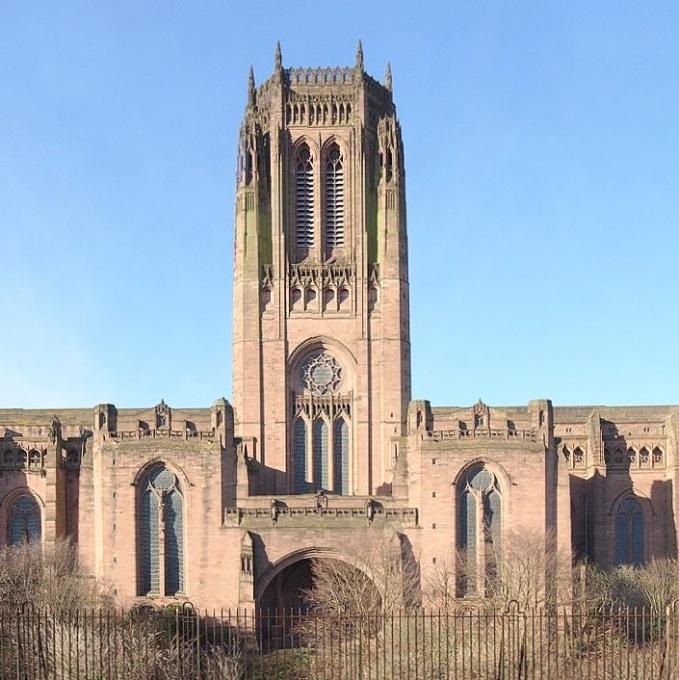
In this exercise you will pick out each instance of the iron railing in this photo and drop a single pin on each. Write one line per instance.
(180, 642)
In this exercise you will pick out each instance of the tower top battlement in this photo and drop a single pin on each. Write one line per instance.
(299, 78)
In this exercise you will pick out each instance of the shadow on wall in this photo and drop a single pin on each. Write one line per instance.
(266, 481)
(603, 526)
(14, 483)
(412, 587)
(662, 495)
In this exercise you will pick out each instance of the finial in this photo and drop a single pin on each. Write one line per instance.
(278, 58)
(387, 77)
(359, 55)
(251, 86)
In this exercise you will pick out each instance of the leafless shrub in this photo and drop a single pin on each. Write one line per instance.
(375, 578)
(47, 576)
(653, 586)
(439, 590)
(521, 572)
(91, 644)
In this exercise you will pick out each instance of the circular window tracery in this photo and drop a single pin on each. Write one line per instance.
(321, 374)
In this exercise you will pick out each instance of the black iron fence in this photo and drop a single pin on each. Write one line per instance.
(508, 644)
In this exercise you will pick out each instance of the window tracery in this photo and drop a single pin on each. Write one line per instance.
(629, 532)
(320, 437)
(644, 456)
(331, 283)
(321, 374)
(578, 456)
(479, 528)
(161, 534)
(24, 524)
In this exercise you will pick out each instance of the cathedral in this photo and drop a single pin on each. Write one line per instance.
(226, 506)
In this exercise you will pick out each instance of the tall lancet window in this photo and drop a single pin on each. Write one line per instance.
(161, 534)
(479, 529)
(24, 521)
(341, 456)
(629, 533)
(304, 198)
(300, 465)
(321, 456)
(334, 198)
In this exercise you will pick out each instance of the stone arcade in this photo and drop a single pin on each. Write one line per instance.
(224, 506)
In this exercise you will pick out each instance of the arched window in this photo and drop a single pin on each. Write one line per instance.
(657, 456)
(304, 198)
(161, 534)
(24, 521)
(320, 448)
(334, 198)
(479, 523)
(644, 456)
(300, 472)
(629, 532)
(321, 480)
(341, 456)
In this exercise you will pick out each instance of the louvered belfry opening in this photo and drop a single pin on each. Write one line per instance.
(304, 198)
(334, 198)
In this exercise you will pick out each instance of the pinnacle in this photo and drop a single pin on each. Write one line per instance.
(251, 86)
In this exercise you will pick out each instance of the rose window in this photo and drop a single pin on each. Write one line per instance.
(321, 374)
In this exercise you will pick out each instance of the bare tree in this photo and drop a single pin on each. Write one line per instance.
(47, 576)
(520, 569)
(439, 589)
(374, 576)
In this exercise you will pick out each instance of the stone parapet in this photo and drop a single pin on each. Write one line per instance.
(309, 517)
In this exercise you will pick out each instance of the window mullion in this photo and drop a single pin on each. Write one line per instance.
(480, 556)
(161, 544)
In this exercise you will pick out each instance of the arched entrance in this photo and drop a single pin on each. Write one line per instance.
(285, 584)
(287, 588)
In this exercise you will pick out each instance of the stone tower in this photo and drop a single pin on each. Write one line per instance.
(321, 345)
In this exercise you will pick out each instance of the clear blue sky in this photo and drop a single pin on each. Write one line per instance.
(542, 154)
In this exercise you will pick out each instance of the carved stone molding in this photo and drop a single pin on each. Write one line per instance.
(332, 406)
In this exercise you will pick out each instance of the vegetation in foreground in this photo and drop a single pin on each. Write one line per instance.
(381, 620)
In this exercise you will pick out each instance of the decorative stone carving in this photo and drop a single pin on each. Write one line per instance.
(163, 416)
(388, 140)
(55, 430)
(321, 76)
(314, 407)
(321, 374)
(267, 276)
(330, 283)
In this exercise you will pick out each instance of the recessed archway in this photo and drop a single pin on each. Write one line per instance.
(286, 589)
(284, 584)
